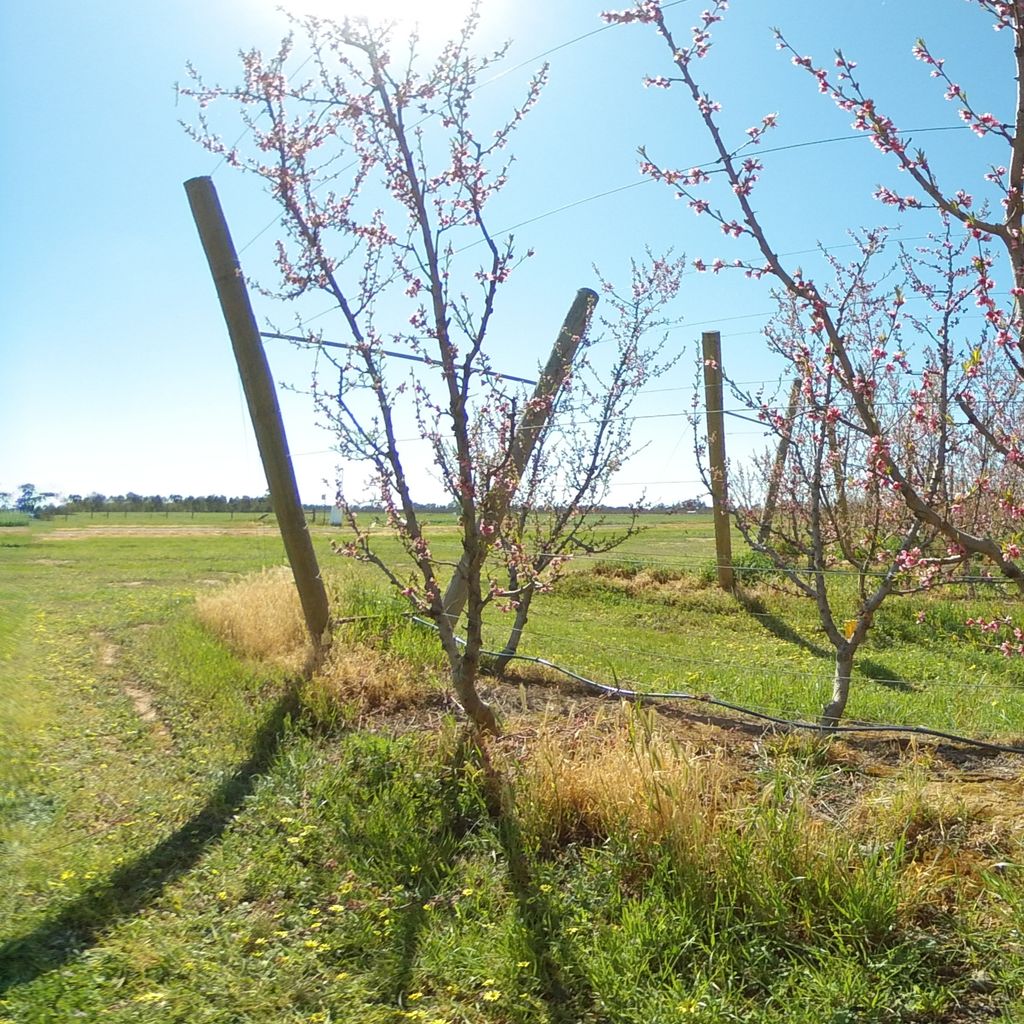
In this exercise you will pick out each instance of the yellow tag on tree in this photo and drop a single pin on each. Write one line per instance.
(848, 628)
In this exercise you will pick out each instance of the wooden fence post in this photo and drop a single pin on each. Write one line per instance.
(261, 397)
(529, 428)
(711, 347)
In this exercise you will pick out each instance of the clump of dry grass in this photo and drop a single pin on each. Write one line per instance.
(359, 678)
(259, 616)
(909, 807)
(888, 856)
(626, 778)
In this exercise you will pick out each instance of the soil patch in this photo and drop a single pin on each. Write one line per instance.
(141, 698)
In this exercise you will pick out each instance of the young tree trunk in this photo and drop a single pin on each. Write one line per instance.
(512, 645)
(528, 430)
(833, 710)
(464, 683)
(779, 465)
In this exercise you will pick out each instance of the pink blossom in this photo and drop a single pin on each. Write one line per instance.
(644, 13)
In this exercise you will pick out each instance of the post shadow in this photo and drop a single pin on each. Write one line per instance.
(136, 885)
(754, 607)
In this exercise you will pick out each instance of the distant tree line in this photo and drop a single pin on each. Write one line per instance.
(30, 500)
(132, 502)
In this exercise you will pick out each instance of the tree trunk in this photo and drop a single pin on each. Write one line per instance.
(528, 431)
(522, 614)
(779, 466)
(833, 710)
(464, 683)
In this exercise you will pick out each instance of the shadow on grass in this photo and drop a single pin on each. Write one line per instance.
(756, 608)
(875, 671)
(134, 886)
(878, 673)
(437, 863)
(564, 986)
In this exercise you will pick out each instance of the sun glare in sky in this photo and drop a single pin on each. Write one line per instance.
(434, 19)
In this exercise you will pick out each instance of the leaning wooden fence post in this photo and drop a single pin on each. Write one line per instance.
(529, 429)
(261, 397)
(711, 346)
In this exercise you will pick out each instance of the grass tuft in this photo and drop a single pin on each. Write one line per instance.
(259, 616)
(626, 778)
(357, 680)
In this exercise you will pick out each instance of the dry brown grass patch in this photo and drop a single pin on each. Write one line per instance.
(955, 830)
(623, 775)
(905, 808)
(358, 677)
(260, 617)
(953, 808)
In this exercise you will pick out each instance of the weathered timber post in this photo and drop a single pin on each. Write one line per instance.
(711, 346)
(779, 466)
(261, 397)
(529, 428)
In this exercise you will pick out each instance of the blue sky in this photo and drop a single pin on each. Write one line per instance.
(115, 369)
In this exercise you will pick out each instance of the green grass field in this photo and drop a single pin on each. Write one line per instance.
(184, 837)
(648, 617)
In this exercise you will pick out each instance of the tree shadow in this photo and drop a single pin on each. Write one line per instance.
(136, 885)
(883, 676)
(757, 609)
(564, 985)
(875, 671)
(438, 862)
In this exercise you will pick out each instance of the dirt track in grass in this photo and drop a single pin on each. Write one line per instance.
(84, 533)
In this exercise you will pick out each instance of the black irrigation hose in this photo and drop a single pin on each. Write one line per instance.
(651, 696)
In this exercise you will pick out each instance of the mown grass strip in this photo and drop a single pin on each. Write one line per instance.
(593, 865)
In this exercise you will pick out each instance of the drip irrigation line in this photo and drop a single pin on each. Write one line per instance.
(644, 697)
(798, 673)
